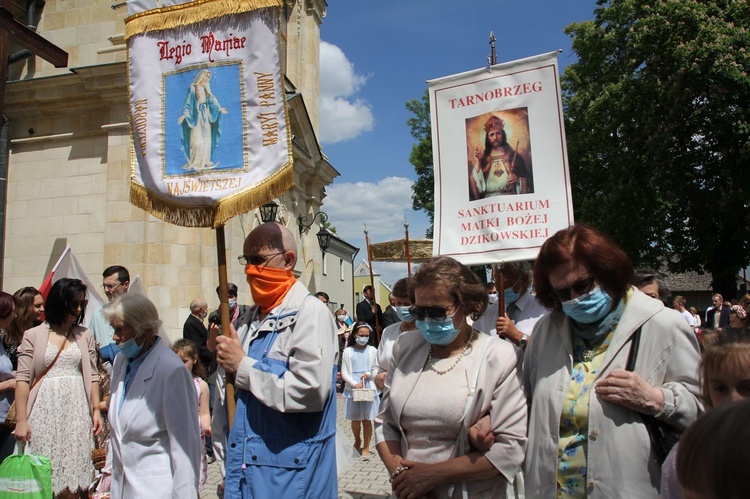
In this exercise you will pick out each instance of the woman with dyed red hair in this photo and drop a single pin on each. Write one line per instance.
(600, 369)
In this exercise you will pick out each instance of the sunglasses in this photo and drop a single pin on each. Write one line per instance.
(580, 287)
(76, 303)
(436, 313)
(257, 259)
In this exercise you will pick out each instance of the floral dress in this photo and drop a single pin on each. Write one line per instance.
(60, 420)
(574, 422)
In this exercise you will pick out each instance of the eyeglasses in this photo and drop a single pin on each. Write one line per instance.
(111, 287)
(257, 259)
(580, 287)
(437, 313)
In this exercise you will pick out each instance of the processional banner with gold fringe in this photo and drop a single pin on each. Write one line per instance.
(502, 185)
(420, 250)
(209, 127)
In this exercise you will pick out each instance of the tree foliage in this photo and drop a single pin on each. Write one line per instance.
(658, 130)
(423, 190)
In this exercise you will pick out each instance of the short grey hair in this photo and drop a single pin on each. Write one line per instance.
(197, 304)
(136, 311)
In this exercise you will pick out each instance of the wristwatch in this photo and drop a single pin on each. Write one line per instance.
(523, 342)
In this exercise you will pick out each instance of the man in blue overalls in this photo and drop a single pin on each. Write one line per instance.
(283, 355)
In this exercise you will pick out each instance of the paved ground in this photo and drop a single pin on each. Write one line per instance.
(364, 480)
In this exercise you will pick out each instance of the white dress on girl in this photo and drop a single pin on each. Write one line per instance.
(204, 458)
(353, 365)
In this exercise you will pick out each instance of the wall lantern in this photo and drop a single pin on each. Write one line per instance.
(324, 239)
(268, 212)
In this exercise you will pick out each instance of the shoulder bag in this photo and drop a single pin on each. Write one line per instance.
(10, 418)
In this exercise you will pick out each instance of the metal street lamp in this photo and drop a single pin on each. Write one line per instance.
(268, 212)
(324, 239)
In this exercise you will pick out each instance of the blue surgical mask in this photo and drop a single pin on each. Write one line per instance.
(362, 340)
(130, 349)
(403, 314)
(589, 307)
(510, 296)
(438, 331)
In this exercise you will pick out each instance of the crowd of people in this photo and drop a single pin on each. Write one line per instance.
(572, 377)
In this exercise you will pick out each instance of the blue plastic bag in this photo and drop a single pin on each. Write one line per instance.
(25, 476)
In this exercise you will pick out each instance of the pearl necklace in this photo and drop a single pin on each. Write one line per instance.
(467, 345)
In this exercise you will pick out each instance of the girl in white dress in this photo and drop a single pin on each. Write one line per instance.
(188, 353)
(358, 367)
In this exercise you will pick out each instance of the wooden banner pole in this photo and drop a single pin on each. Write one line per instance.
(500, 288)
(221, 253)
(372, 281)
(408, 252)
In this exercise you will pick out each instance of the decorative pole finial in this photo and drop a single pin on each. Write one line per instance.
(493, 55)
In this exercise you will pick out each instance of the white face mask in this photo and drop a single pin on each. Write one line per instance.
(232, 302)
(362, 340)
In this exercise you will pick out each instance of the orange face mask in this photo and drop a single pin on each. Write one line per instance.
(268, 285)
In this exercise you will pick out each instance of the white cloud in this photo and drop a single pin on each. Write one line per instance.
(343, 115)
(382, 206)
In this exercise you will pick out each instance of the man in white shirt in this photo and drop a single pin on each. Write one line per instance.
(679, 303)
(115, 282)
(523, 310)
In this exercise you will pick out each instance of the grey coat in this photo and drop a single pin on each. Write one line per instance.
(621, 463)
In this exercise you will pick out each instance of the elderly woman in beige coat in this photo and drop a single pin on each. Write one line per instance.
(442, 379)
(587, 437)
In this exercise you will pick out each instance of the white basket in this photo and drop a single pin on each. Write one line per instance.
(363, 394)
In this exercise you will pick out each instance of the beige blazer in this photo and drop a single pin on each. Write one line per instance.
(498, 392)
(31, 359)
(620, 462)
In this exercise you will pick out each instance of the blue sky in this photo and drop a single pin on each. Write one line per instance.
(375, 56)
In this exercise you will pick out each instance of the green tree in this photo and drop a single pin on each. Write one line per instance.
(658, 130)
(423, 190)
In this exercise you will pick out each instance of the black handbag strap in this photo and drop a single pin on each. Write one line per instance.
(653, 425)
(634, 345)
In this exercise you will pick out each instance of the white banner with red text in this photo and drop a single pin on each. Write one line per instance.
(502, 185)
(209, 126)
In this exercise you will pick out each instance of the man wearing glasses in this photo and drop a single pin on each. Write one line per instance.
(115, 282)
(283, 357)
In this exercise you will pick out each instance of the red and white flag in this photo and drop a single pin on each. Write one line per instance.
(68, 266)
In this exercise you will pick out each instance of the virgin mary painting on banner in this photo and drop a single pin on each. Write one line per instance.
(210, 133)
(201, 123)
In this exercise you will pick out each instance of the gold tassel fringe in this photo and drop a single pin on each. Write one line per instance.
(190, 13)
(221, 212)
